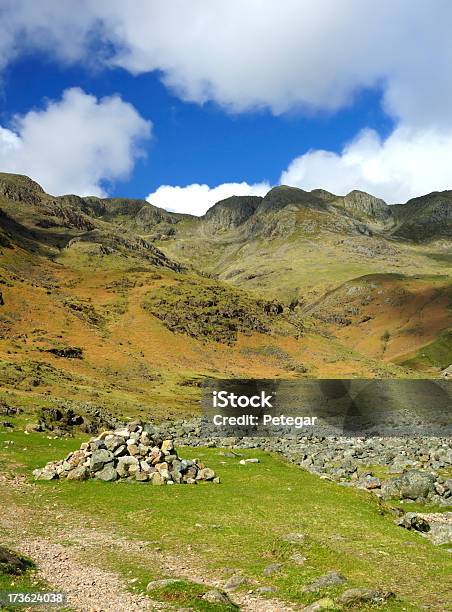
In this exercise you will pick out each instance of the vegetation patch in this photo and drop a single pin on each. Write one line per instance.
(13, 563)
(437, 354)
(213, 311)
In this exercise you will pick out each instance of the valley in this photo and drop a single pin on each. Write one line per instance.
(129, 306)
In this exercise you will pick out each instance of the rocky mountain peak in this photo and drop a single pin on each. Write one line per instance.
(281, 196)
(21, 188)
(323, 194)
(360, 203)
(231, 212)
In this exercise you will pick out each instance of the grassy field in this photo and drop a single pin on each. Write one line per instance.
(235, 527)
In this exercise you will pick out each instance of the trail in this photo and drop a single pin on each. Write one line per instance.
(74, 568)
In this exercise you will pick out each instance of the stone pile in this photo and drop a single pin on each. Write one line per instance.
(134, 452)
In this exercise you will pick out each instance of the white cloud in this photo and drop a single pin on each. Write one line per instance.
(410, 162)
(196, 199)
(76, 144)
(258, 53)
(295, 55)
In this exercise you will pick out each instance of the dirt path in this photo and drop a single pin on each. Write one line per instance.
(75, 568)
(87, 587)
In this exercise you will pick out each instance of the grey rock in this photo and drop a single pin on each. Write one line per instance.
(266, 589)
(294, 538)
(327, 580)
(234, 582)
(113, 442)
(410, 520)
(156, 479)
(78, 473)
(99, 458)
(298, 558)
(414, 484)
(107, 474)
(205, 474)
(127, 466)
(271, 569)
(440, 533)
(354, 597)
(215, 596)
(45, 474)
(96, 444)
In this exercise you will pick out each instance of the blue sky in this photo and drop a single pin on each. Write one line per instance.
(194, 143)
(185, 103)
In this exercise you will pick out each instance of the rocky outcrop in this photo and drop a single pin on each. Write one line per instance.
(362, 205)
(211, 311)
(135, 452)
(424, 217)
(19, 188)
(230, 213)
(282, 196)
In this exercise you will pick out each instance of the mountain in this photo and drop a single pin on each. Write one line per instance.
(123, 304)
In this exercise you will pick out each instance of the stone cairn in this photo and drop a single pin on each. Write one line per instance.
(134, 452)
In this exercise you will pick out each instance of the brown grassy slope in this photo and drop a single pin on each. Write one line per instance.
(307, 260)
(129, 358)
(387, 316)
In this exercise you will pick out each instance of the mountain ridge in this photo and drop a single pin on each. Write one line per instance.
(420, 218)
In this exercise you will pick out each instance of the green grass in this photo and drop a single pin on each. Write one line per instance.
(26, 581)
(437, 354)
(240, 524)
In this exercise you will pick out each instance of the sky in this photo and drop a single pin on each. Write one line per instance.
(186, 103)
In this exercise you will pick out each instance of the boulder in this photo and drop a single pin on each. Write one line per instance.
(205, 474)
(410, 520)
(414, 484)
(156, 479)
(78, 473)
(113, 442)
(99, 458)
(127, 466)
(234, 582)
(327, 580)
(271, 569)
(357, 597)
(45, 473)
(107, 474)
(215, 596)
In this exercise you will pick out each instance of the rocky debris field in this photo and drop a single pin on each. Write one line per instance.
(416, 462)
(133, 452)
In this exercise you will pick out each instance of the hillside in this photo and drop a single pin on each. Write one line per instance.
(125, 305)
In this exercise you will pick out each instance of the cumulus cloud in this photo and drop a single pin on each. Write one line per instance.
(76, 144)
(196, 199)
(408, 163)
(256, 53)
(301, 56)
